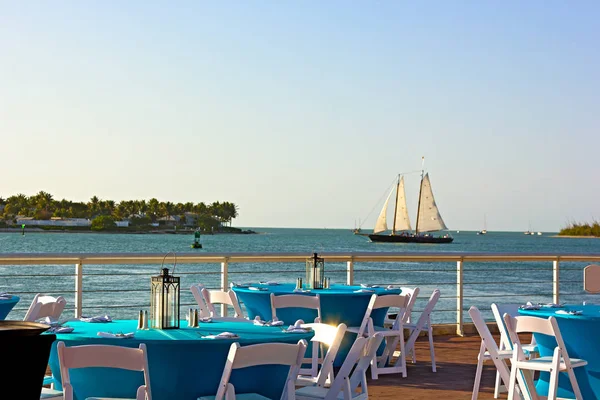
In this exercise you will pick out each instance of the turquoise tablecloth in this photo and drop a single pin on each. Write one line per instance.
(580, 334)
(183, 364)
(340, 303)
(7, 305)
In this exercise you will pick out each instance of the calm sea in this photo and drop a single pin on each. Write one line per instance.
(104, 285)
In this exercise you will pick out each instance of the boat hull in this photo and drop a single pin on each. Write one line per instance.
(409, 239)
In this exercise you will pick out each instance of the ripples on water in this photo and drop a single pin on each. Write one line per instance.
(521, 281)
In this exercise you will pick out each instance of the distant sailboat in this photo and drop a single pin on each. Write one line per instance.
(484, 230)
(428, 217)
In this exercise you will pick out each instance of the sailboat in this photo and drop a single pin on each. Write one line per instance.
(484, 230)
(428, 217)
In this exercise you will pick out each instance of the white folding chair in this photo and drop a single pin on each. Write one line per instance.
(407, 320)
(488, 351)
(591, 278)
(345, 384)
(558, 362)
(45, 306)
(393, 337)
(197, 292)
(324, 335)
(295, 301)
(505, 342)
(260, 354)
(423, 323)
(107, 356)
(229, 298)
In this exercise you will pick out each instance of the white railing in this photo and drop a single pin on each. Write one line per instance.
(80, 260)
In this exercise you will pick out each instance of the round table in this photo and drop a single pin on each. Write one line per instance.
(339, 303)
(6, 305)
(183, 364)
(580, 334)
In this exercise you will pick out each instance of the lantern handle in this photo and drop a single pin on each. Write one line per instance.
(174, 263)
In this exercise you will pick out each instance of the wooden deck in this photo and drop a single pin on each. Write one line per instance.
(456, 359)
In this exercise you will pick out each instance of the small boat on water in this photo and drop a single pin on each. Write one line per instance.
(428, 218)
(484, 230)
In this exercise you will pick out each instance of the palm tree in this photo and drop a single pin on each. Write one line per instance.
(93, 206)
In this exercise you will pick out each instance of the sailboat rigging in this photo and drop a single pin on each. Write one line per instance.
(484, 230)
(428, 217)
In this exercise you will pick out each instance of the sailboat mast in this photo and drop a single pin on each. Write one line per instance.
(396, 206)
(420, 191)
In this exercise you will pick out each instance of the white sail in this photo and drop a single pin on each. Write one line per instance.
(381, 224)
(402, 223)
(429, 215)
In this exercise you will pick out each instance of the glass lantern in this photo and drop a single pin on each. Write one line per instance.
(315, 272)
(164, 301)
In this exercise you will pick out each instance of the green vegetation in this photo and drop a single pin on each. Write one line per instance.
(579, 229)
(142, 214)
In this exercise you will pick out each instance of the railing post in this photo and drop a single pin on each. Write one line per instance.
(459, 298)
(350, 272)
(224, 283)
(555, 281)
(78, 289)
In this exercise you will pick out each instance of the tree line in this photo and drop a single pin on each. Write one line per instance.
(44, 206)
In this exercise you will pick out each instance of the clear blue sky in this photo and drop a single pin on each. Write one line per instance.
(302, 112)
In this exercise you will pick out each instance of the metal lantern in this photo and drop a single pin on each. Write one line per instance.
(164, 300)
(315, 272)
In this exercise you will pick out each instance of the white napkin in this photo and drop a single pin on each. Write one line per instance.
(99, 318)
(60, 329)
(116, 335)
(570, 312)
(368, 285)
(391, 287)
(205, 319)
(240, 285)
(364, 291)
(223, 335)
(529, 306)
(298, 328)
(270, 283)
(257, 288)
(259, 322)
(552, 305)
(301, 290)
(5, 296)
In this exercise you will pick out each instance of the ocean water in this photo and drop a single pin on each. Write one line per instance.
(122, 290)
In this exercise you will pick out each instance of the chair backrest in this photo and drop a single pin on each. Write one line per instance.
(197, 292)
(331, 336)
(356, 362)
(229, 298)
(45, 306)
(107, 356)
(295, 301)
(264, 354)
(489, 344)
(413, 293)
(499, 310)
(424, 318)
(397, 301)
(591, 278)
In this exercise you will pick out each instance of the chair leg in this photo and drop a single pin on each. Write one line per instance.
(574, 384)
(554, 373)
(431, 349)
(513, 379)
(498, 385)
(478, 372)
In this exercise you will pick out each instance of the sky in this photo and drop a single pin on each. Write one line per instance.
(303, 112)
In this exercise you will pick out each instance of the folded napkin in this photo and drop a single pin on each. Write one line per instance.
(368, 285)
(570, 312)
(301, 290)
(240, 285)
(116, 335)
(60, 329)
(298, 328)
(205, 319)
(259, 322)
(270, 283)
(257, 288)
(5, 296)
(100, 318)
(552, 305)
(391, 287)
(223, 335)
(364, 291)
(529, 306)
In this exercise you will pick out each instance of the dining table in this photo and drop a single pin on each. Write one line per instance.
(183, 363)
(339, 304)
(6, 305)
(579, 326)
